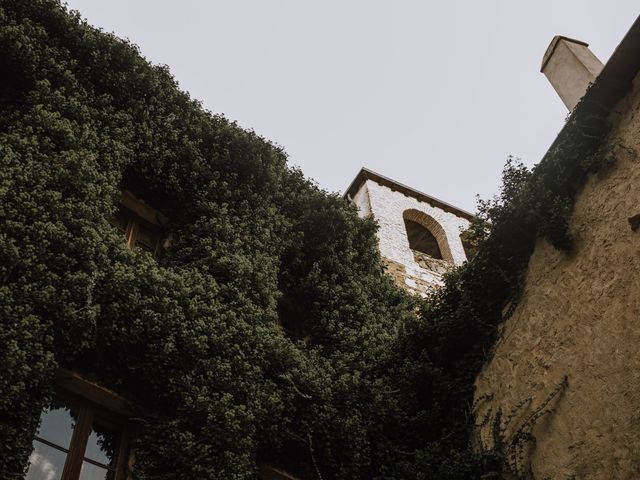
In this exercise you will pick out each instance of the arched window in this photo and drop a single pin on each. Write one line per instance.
(421, 239)
(427, 238)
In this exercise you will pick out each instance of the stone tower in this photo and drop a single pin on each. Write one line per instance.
(419, 235)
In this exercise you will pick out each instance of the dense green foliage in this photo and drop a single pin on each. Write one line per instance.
(379, 391)
(457, 328)
(192, 338)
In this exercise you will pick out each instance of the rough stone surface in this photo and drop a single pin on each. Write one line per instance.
(579, 317)
(390, 208)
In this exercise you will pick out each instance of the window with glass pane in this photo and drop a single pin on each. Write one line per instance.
(100, 454)
(51, 443)
(75, 443)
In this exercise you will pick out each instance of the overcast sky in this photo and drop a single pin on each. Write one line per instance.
(433, 94)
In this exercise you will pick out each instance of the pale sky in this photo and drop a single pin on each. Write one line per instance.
(433, 94)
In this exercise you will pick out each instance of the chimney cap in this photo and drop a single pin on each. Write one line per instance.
(552, 46)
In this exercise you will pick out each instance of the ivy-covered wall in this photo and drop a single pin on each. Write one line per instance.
(381, 391)
(192, 337)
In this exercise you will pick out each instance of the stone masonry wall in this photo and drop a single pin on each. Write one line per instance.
(579, 317)
(387, 206)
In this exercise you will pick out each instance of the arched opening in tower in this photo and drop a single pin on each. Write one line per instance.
(421, 239)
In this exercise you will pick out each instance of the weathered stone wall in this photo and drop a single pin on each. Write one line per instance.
(361, 199)
(579, 317)
(388, 206)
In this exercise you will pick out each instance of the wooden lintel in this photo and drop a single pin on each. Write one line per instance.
(74, 383)
(140, 208)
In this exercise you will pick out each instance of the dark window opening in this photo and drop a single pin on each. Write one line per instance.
(288, 319)
(422, 240)
(141, 225)
(137, 231)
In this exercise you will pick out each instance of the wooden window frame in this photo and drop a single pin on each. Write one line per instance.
(92, 402)
(140, 214)
(89, 398)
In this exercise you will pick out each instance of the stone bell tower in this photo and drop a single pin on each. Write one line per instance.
(419, 235)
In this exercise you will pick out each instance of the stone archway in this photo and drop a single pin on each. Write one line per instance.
(434, 227)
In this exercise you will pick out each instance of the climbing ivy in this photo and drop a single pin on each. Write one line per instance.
(380, 388)
(452, 338)
(192, 338)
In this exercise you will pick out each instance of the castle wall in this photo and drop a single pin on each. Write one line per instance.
(579, 317)
(387, 207)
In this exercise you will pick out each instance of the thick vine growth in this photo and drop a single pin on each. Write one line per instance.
(377, 391)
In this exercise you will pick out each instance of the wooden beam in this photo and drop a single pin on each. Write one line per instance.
(137, 206)
(72, 382)
(267, 472)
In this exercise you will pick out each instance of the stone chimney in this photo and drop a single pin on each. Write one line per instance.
(570, 67)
